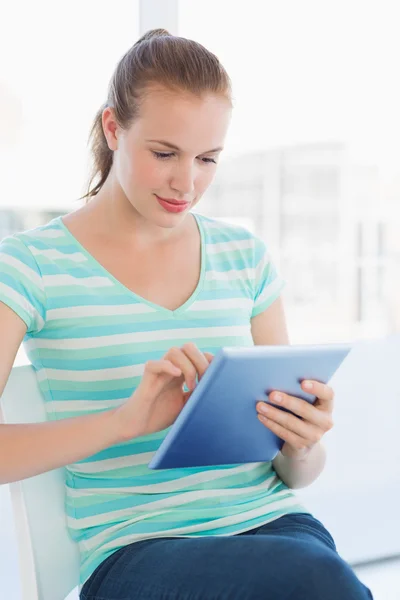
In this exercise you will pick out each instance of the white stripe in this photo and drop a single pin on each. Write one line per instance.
(23, 303)
(112, 373)
(185, 498)
(54, 254)
(223, 225)
(166, 487)
(229, 246)
(65, 280)
(48, 233)
(263, 263)
(135, 337)
(143, 458)
(98, 311)
(72, 406)
(246, 273)
(21, 268)
(109, 464)
(221, 304)
(97, 540)
(270, 291)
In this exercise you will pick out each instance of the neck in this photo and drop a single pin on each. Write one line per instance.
(112, 215)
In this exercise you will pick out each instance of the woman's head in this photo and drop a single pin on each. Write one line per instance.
(164, 89)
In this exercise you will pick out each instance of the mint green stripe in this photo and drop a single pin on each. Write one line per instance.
(95, 386)
(68, 291)
(232, 256)
(86, 321)
(196, 514)
(117, 319)
(18, 274)
(142, 347)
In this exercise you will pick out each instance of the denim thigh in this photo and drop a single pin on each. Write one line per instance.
(290, 558)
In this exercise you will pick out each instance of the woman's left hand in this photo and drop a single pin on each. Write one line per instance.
(305, 428)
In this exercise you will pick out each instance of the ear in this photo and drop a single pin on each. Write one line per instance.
(110, 128)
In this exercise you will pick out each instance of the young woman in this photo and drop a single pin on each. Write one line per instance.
(124, 302)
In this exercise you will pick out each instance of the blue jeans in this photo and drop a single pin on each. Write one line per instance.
(291, 558)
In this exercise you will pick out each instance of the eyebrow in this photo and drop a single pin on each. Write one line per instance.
(169, 145)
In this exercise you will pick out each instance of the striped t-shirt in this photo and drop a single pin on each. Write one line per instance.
(89, 337)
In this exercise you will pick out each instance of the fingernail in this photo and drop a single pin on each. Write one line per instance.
(308, 385)
(277, 397)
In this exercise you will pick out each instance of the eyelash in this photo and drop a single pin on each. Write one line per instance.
(165, 156)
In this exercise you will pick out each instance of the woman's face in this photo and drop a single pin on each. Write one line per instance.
(169, 152)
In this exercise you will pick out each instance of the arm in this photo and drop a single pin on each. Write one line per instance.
(299, 470)
(30, 449)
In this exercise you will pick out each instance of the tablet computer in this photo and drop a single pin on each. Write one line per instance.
(219, 426)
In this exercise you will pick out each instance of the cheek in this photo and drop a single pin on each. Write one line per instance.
(139, 169)
(205, 177)
(146, 172)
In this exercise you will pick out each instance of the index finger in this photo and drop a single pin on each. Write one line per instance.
(322, 391)
(199, 359)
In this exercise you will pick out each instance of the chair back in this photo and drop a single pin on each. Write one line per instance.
(49, 559)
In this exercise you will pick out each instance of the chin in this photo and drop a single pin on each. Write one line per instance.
(171, 220)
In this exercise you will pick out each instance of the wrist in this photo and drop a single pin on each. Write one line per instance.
(297, 455)
(124, 426)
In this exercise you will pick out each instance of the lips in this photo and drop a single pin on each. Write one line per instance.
(174, 206)
(173, 201)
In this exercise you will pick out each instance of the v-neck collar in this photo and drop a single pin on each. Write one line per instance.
(135, 296)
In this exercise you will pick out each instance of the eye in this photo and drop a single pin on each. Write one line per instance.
(163, 155)
(166, 155)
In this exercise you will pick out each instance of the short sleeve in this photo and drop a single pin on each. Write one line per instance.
(21, 284)
(268, 284)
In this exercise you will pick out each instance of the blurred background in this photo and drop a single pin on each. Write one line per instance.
(311, 165)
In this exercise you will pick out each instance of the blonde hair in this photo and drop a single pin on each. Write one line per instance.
(157, 58)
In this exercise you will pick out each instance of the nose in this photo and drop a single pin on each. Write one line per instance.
(182, 180)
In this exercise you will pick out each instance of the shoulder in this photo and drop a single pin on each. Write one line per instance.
(27, 245)
(221, 234)
(49, 231)
(223, 230)
(21, 277)
(222, 227)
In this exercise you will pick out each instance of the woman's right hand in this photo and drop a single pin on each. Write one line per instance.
(159, 398)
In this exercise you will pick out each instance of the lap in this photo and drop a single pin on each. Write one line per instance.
(291, 558)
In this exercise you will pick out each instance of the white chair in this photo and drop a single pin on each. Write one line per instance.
(49, 559)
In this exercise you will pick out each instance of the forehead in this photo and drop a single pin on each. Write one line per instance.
(188, 121)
